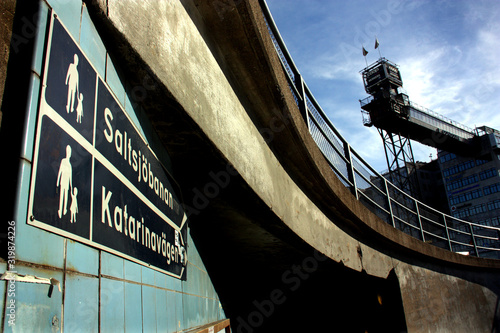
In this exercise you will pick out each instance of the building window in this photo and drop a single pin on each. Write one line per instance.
(491, 189)
(494, 205)
(495, 222)
(447, 157)
(462, 182)
(481, 162)
(463, 197)
(488, 173)
(459, 168)
(472, 211)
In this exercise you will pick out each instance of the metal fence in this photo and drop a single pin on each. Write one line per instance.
(378, 194)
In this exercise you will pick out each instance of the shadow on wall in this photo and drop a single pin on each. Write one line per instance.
(13, 113)
(496, 321)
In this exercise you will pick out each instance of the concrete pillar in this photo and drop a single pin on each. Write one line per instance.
(439, 302)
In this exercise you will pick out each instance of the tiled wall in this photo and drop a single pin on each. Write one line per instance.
(99, 291)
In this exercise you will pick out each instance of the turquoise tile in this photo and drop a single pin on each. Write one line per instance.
(33, 307)
(207, 306)
(69, 12)
(3, 288)
(23, 187)
(3, 285)
(132, 271)
(193, 255)
(204, 306)
(133, 307)
(148, 309)
(174, 283)
(33, 244)
(148, 276)
(81, 302)
(171, 315)
(91, 44)
(160, 280)
(214, 310)
(205, 284)
(221, 313)
(40, 38)
(30, 122)
(198, 313)
(82, 258)
(188, 285)
(179, 311)
(193, 281)
(114, 82)
(112, 307)
(111, 265)
(210, 289)
(162, 311)
(191, 310)
(48, 249)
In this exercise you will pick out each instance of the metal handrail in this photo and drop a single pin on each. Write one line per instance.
(446, 231)
(442, 118)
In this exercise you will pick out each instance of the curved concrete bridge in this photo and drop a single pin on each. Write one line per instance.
(287, 246)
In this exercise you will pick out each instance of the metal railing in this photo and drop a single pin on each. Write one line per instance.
(368, 186)
(441, 122)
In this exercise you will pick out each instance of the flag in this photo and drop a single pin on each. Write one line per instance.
(376, 42)
(365, 52)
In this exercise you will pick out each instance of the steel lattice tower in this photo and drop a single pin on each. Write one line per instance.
(400, 161)
(382, 81)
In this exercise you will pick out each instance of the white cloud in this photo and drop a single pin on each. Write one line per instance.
(334, 67)
(424, 83)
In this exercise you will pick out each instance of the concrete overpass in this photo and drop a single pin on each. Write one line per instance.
(287, 246)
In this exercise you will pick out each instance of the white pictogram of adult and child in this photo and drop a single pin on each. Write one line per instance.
(73, 83)
(65, 173)
(65, 184)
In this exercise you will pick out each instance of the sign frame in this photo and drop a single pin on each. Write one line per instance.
(170, 236)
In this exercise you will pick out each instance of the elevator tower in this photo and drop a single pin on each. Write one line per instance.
(385, 109)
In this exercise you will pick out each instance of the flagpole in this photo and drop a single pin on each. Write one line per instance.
(377, 46)
(365, 52)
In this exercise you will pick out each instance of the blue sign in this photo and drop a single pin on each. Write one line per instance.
(95, 179)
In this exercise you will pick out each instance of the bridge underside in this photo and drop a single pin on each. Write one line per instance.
(269, 280)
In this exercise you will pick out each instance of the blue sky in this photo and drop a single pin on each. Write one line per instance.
(447, 50)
